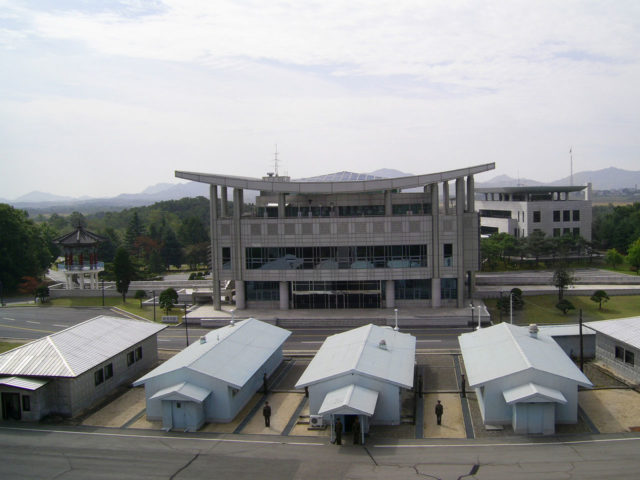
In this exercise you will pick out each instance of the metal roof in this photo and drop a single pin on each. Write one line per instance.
(24, 383)
(625, 330)
(350, 400)
(532, 189)
(274, 184)
(232, 354)
(505, 349)
(75, 350)
(359, 351)
(568, 330)
(183, 391)
(79, 237)
(533, 393)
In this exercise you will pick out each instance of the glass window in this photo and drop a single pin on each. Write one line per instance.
(413, 289)
(448, 254)
(620, 353)
(226, 258)
(556, 232)
(448, 288)
(138, 353)
(108, 371)
(576, 232)
(262, 291)
(556, 215)
(628, 357)
(26, 403)
(576, 215)
(536, 216)
(566, 215)
(130, 358)
(98, 377)
(566, 231)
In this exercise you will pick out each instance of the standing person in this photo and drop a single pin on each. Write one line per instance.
(356, 431)
(266, 412)
(439, 412)
(338, 432)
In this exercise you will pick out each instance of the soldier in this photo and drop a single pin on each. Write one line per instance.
(266, 412)
(356, 431)
(439, 412)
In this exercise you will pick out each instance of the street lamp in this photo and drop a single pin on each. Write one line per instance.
(153, 292)
(103, 291)
(510, 306)
(396, 312)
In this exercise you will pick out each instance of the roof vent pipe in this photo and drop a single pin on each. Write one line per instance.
(533, 330)
(203, 339)
(383, 344)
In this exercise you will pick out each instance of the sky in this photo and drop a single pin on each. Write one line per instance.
(99, 98)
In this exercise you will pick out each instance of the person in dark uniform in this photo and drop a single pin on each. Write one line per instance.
(356, 431)
(266, 412)
(439, 412)
(338, 432)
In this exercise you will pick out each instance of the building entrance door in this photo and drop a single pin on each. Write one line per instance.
(319, 295)
(11, 406)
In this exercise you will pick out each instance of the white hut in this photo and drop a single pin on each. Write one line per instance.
(213, 379)
(360, 373)
(521, 378)
(66, 372)
(618, 346)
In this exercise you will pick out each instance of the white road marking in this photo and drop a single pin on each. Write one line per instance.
(318, 341)
(10, 319)
(432, 341)
(164, 339)
(62, 326)
(29, 321)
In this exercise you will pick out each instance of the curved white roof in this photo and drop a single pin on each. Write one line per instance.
(505, 349)
(359, 351)
(274, 184)
(232, 353)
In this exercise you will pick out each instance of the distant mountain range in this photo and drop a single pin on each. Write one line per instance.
(606, 179)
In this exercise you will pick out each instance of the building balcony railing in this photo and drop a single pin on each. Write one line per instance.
(80, 267)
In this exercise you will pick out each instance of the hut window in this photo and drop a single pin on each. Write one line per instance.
(26, 403)
(108, 371)
(138, 353)
(130, 358)
(98, 377)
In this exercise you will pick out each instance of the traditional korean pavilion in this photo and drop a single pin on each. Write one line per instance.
(81, 258)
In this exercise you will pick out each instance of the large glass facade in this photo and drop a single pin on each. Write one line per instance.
(413, 289)
(449, 288)
(337, 294)
(334, 258)
(262, 291)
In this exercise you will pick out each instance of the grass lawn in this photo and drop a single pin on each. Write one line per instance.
(4, 346)
(132, 306)
(541, 309)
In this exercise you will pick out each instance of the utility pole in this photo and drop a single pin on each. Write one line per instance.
(186, 328)
(581, 344)
(153, 292)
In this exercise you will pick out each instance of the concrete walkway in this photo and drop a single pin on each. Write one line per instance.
(452, 419)
(612, 410)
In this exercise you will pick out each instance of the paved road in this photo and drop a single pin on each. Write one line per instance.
(41, 453)
(30, 323)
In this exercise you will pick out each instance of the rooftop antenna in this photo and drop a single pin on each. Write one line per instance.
(571, 162)
(275, 161)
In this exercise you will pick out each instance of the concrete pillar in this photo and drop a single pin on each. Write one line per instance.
(471, 200)
(224, 206)
(460, 204)
(241, 302)
(388, 207)
(281, 205)
(390, 295)
(236, 250)
(435, 293)
(436, 247)
(445, 197)
(213, 234)
(284, 295)
(81, 277)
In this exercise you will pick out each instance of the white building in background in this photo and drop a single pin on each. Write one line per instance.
(519, 211)
(618, 346)
(213, 379)
(521, 378)
(68, 371)
(357, 243)
(361, 373)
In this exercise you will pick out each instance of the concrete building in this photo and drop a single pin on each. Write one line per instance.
(618, 346)
(213, 379)
(519, 211)
(360, 373)
(521, 378)
(345, 244)
(66, 372)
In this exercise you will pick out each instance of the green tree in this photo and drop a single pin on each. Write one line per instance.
(135, 229)
(42, 293)
(58, 223)
(613, 257)
(513, 300)
(192, 231)
(168, 298)
(140, 295)
(76, 219)
(633, 257)
(124, 271)
(599, 296)
(564, 306)
(26, 249)
(171, 251)
(562, 278)
(537, 244)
